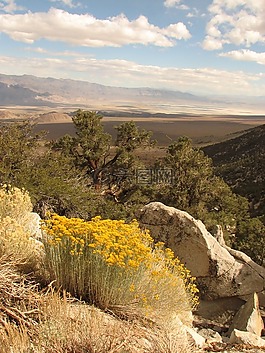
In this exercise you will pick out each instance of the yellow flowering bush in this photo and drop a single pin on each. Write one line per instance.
(14, 203)
(117, 267)
(15, 242)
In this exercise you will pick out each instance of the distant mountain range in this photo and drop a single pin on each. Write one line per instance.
(18, 95)
(241, 162)
(28, 90)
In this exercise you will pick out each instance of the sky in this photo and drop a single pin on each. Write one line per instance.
(205, 47)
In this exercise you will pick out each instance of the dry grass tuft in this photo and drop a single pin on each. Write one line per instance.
(18, 298)
(14, 203)
(67, 326)
(15, 340)
(74, 327)
(19, 308)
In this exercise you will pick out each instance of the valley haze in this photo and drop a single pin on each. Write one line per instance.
(29, 91)
(168, 114)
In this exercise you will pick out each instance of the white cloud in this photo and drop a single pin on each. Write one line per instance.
(37, 50)
(238, 22)
(245, 55)
(64, 53)
(177, 4)
(211, 43)
(194, 12)
(183, 7)
(178, 31)
(68, 3)
(131, 74)
(86, 30)
(10, 6)
(171, 3)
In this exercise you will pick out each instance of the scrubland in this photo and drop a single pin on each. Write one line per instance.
(87, 286)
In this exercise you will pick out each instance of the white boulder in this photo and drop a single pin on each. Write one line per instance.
(248, 338)
(221, 272)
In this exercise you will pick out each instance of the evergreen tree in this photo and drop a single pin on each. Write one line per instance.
(108, 165)
(196, 189)
(18, 145)
(250, 238)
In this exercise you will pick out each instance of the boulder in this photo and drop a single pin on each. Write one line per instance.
(33, 225)
(248, 318)
(194, 338)
(247, 338)
(221, 272)
(219, 235)
(221, 311)
(262, 313)
(210, 335)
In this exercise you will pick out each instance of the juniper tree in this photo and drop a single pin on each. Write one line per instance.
(107, 163)
(18, 145)
(195, 188)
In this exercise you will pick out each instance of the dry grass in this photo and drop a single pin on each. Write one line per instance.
(15, 289)
(38, 322)
(19, 308)
(74, 327)
(24, 252)
(15, 340)
(15, 203)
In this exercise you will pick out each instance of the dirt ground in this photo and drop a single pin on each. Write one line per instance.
(165, 131)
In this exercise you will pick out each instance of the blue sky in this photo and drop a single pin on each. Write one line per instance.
(203, 47)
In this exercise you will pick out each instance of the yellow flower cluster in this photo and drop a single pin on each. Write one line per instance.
(119, 244)
(68, 232)
(122, 246)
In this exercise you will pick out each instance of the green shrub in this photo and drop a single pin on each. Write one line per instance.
(117, 267)
(250, 238)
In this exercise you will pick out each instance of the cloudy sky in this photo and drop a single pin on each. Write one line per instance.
(197, 46)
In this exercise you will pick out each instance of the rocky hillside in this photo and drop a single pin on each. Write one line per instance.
(15, 94)
(241, 162)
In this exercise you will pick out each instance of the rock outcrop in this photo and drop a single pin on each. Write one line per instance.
(247, 338)
(229, 281)
(221, 272)
(248, 318)
(33, 225)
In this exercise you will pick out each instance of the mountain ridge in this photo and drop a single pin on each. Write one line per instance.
(66, 92)
(74, 89)
(18, 95)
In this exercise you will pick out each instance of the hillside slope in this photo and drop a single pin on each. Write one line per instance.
(241, 162)
(14, 94)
